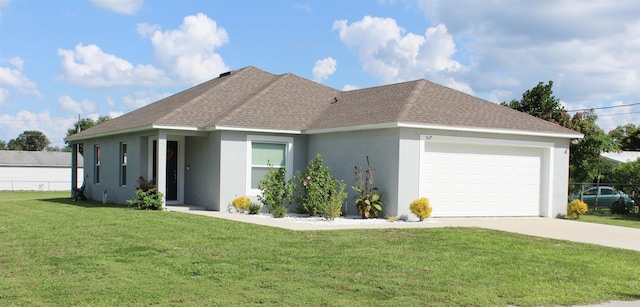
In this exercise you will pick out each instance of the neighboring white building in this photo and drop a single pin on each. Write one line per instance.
(622, 157)
(36, 170)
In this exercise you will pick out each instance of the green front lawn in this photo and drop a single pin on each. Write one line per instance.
(57, 252)
(604, 216)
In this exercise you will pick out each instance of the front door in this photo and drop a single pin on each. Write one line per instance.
(172, 171)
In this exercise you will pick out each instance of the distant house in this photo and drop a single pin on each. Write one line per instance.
(36, 170)
(621, 157)
(211, 143)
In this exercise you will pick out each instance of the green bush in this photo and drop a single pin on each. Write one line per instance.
(241, 203)
(278, 212)
(317, 192)
(576, 208)
(421, 208)
(275, 190)
(620, 207)
(369, 200)
(147, 197)
(253, 208)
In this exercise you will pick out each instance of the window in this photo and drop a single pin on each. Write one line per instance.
(96, 158)
(123, 164)
(606, 191)
(263, 151)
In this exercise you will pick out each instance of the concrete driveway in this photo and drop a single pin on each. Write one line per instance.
(606, 235)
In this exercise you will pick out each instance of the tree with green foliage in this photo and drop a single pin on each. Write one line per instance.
(540, 102)
(585, 159)
(3, 145)
(585, 162)
(81, 125)
(29, 140)
(626, 137)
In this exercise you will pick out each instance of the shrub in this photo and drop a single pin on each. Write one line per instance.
(369, 200)
(318, 193)
(253, 208)
(620, 207)
(576, 208)
(275, 190)
(393, 218)
(241, 203)
(279, 211)
(421, 208)
(147, 197)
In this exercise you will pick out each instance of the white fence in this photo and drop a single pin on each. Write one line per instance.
(35, 185)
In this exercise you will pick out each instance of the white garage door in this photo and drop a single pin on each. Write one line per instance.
(481, 180)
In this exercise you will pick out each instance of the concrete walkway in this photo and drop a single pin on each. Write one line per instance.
(605, 235)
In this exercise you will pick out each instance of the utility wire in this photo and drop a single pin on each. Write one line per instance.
(602, 108)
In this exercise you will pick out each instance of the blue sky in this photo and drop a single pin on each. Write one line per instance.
(99, 57)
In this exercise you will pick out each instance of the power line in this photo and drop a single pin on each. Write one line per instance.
(602, 108)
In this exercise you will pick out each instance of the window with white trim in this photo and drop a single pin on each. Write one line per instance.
(123, 164)
(96, 161)
(263, 151)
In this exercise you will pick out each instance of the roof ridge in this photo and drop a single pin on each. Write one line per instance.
(413, 96)
(242, 105)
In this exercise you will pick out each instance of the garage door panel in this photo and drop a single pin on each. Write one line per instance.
(470, 180)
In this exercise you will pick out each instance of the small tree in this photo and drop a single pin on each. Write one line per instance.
(275, 191)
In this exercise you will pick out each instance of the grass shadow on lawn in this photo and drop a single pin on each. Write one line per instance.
(82, 203)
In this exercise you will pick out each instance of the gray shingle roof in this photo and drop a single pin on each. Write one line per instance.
(251, 98)
(36, 158)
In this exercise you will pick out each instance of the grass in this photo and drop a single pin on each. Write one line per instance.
(604, 216)
(57, 252)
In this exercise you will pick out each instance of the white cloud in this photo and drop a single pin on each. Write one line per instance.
(3, 3)
(304, 7)
(350, 87)
(324, 68)
(54, 128)
(14, 79)
(89, 66)
(391, 54)
(83, 107)
(589, 49)
(189, 52)
(141, 99)
(127, 7)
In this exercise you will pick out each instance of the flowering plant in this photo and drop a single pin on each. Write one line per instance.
(368, 200)
(319, 194)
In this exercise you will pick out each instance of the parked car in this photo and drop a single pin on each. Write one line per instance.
(606, 197)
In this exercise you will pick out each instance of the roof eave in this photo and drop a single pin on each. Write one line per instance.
(248, 129)
(448, 128)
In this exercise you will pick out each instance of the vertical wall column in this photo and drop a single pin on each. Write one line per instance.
(74, 168)
(162, 167)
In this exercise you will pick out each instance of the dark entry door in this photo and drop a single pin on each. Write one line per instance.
(172, 170)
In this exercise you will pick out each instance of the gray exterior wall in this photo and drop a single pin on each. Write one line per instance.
(202, 164)
(110, 167)
(217, 165)
(395, 153)
(342, 151)
(233, 164)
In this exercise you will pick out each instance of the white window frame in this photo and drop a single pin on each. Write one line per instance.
(97, 156)
(123, 163)
(287, 141)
